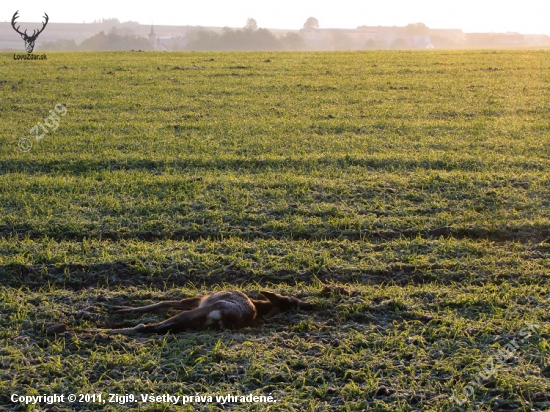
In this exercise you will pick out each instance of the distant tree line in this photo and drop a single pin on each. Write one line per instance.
(248, 38)
(251, 37)
(112, 20)
(243, 39)
(101, 42)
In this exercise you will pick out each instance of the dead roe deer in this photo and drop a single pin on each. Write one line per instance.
(229, 309)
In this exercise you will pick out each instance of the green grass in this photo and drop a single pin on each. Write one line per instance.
(418, 181)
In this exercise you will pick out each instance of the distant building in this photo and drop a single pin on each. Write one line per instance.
(363, 37)
(418, 41)
(319, 39)
(490, 40)
(157, 42)
(537, 39)
(456, 35)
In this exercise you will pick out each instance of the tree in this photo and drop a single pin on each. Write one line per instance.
(240, 39)
(399, 44)
(59, 45)
(416, 29)
(370, 44)
(205, 40)
(292, 41)
(263, 39)
(311, 23)
(112, 20)
(114, 41)
(442, 42)
(339, 40)
(251, 24)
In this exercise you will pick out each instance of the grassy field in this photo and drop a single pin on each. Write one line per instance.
(414, 184)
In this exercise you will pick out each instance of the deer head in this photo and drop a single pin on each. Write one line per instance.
(278, 304)
(29, 40)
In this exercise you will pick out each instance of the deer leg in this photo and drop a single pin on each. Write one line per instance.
(273, 312)
(196, 319)
(184, 304)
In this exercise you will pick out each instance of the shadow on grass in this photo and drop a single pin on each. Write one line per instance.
(133, 273)
(85, 166)
(522, 234)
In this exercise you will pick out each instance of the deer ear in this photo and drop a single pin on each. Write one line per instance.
(272, 297)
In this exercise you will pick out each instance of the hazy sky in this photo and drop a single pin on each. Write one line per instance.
(525, 16)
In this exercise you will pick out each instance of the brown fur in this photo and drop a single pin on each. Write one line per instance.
(229, 309)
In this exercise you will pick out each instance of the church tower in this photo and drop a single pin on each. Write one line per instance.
(152, 36)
